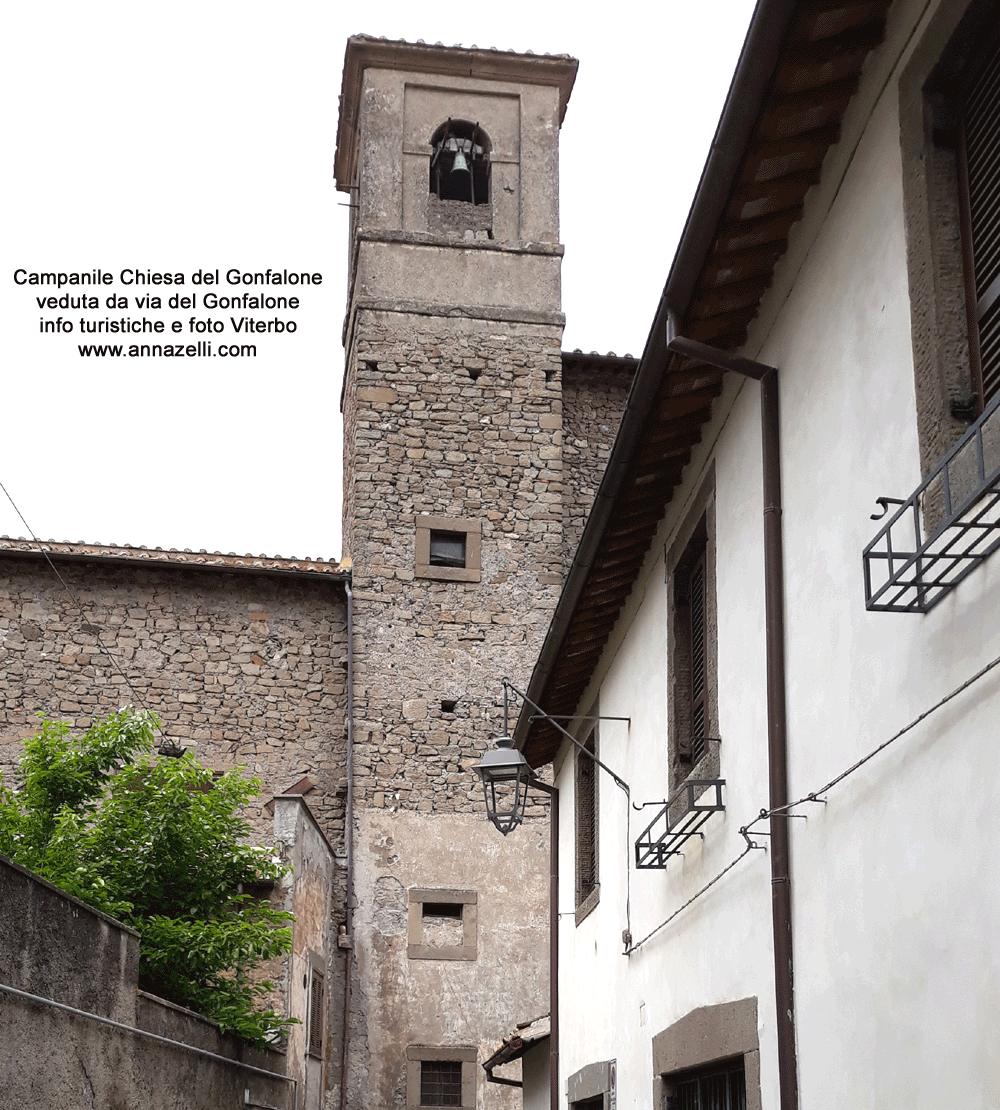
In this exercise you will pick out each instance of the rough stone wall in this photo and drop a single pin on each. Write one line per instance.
(460, 418)
(247, 669)
(593, 403)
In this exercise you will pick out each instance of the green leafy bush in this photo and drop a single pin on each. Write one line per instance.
(161, 845)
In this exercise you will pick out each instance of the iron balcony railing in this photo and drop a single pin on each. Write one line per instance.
(677, 820)
(943, 530)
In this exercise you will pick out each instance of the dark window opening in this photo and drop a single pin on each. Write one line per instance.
(448, 705)
(460, 162)
(586, 821)
(440, 1082)
(441, 909)
(447, 549)
(691, 599)
(717, 1087)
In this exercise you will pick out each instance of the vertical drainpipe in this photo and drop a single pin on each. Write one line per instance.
(774, 633)
(349, 844)
(777, 722)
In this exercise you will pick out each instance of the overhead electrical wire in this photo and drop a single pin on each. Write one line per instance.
(97, 632)
(813, 797)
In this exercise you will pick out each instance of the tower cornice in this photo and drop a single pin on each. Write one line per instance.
(364, 52)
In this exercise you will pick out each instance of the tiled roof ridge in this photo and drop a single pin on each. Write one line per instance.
(577, 352)
(172, 556)
(461, 46)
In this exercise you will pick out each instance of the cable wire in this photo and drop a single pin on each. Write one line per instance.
(79, 607)
(777, 811)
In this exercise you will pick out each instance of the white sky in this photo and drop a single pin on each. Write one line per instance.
(201, 134)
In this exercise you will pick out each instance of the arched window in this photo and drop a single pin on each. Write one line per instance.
(460, 162)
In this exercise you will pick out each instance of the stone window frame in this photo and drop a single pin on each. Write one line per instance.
(706, 1036)
(416, 946)
(416, 1054)
(472, 529)
(940, 311)
(586, 824)
(591, 1082)
(695, 537)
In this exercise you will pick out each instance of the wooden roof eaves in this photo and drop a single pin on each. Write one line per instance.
(766, 102)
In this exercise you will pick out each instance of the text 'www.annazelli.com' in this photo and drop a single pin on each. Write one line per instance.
(167, 350)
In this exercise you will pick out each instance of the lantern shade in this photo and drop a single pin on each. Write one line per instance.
(505, 774)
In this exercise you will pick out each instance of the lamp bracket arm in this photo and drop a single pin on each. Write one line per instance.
(619, 781)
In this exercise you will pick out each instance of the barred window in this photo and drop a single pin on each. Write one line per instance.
(440, 1082)
(716, 1087)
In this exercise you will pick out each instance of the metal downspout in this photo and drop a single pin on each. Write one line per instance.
(349, 845)
(553, 793)
(774, 633)
(777, 722)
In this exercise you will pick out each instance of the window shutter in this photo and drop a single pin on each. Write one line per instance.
(586, 822)
(316, 1014)
(697, 611)
(981, 178)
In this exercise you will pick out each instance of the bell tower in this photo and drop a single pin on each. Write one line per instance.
(453, 517)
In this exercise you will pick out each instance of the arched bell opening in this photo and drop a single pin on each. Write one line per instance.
(460, 162)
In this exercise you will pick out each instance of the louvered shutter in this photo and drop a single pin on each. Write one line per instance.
(316, 1014)
(981, 181)
(586, 822)
(697, 633)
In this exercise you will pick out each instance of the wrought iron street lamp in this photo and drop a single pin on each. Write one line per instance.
(505, 775)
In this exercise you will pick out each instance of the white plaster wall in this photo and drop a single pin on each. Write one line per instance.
(895, 916)
(446, 1002)
(895, 909)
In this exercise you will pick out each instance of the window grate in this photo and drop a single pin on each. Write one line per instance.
(441, 1083)
(958, 504)
(678, 819)
(719, 1088)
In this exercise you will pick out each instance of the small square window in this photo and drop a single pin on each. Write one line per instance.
(441, 1075)
(447, 549)
(440, 1082)
(441, 909)
(442, 925)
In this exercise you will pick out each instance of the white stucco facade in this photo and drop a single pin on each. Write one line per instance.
(895, 912)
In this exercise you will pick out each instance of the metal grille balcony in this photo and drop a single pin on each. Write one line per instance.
(677, 821)
(943, 530)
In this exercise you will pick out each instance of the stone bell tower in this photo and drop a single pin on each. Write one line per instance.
(453, 517)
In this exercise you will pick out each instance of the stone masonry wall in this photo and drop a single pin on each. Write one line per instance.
(248, 669)
(460, 418)
(593, 403)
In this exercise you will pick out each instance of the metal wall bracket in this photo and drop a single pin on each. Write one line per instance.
(678, 819)
(943, 530)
